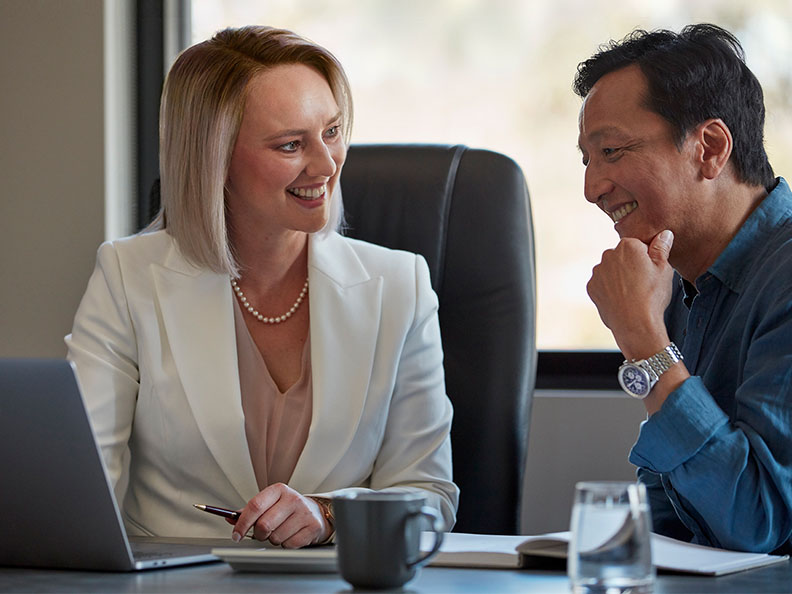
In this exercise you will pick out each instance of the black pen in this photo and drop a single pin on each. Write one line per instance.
(218, 511)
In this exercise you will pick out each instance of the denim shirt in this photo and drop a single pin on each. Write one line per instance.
(718, 454)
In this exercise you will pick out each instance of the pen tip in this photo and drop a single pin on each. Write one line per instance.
(199, 506)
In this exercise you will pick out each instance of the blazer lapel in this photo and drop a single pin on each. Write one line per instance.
(198, 317)
(345, 319)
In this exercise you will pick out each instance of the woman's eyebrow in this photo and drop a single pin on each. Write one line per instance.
(300, 132)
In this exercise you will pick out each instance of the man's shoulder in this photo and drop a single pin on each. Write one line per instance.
(767, 284)
(773, 266)
(773, 245)
(761, 251)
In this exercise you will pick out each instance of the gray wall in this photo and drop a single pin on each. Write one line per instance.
(53, 159)
(51, 167)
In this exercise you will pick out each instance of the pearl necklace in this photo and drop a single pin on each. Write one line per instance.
(262, 318)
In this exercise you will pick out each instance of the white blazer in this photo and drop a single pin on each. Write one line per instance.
(154, 346)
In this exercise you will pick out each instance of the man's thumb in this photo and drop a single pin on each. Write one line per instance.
(660, 247)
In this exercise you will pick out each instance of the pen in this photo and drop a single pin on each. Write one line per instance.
(218, 511)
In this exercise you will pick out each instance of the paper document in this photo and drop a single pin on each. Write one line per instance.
(474, 550)
(484, 550)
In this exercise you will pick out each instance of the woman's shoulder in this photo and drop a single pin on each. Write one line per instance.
(349, 261)
(378, 261)
(404, 274)
(377, 254)
(142, 241)
(133, 256)
(145, 246)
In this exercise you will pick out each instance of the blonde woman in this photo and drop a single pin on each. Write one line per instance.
(240, 352)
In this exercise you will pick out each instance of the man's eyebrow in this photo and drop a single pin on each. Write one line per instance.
(298, 132)
(618, 133)
(613, 130)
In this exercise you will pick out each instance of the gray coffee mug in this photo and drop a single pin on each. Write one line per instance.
(378, 537)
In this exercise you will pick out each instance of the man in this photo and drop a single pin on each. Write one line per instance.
(698, 291)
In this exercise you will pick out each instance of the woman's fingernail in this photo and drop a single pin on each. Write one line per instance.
(236, 536)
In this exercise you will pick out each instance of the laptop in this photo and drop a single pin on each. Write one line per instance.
(57, 502)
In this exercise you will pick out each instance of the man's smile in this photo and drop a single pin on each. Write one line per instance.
(622, 211)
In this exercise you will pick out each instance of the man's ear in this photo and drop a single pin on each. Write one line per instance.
(714, 147)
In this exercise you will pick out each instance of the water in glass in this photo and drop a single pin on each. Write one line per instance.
(610, 547)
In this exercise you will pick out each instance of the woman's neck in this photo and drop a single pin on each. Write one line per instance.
(266, 262)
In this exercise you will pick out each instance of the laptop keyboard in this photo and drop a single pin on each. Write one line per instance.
(143, 551)
(146, 548)
(140, 556)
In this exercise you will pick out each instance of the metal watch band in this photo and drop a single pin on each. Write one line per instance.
(662, 361)
(638, 376)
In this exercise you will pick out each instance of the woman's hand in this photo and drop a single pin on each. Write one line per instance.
(284, 517)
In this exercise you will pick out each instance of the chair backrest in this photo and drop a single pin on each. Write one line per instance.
(467, 212)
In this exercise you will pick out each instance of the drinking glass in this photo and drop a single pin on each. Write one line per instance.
(610, 547)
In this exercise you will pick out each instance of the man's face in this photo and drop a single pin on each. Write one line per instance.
(634, 171)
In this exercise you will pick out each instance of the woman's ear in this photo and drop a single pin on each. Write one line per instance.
(715, 147)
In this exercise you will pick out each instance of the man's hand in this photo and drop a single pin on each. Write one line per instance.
(284, 517)
(631, 288)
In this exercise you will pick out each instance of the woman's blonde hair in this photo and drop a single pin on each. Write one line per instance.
(200, 115)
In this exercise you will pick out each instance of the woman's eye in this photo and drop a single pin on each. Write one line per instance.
(333, 131)
(290, 147)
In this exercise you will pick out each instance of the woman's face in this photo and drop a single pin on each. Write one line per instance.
(288, 155)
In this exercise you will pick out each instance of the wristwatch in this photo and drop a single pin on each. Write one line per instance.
(638, 377)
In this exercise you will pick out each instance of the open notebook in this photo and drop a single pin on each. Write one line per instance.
(59, 506)
(546, 551)
(550, 551)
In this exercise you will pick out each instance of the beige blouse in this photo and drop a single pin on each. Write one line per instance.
(276, 424)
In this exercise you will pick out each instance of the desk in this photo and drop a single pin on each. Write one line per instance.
(219, 577)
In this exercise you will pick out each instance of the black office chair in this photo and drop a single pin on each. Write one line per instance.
(468, 213)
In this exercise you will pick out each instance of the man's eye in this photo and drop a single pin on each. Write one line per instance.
(290, 147)
(609, 152)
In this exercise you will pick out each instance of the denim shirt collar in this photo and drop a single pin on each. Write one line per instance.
(747, 246)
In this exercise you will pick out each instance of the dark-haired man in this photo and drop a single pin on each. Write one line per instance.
(698, 291)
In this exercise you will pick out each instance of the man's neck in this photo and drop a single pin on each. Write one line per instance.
(693, 256)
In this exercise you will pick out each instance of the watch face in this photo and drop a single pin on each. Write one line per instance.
(634, 380)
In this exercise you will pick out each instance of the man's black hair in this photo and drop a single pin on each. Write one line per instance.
(692, 76)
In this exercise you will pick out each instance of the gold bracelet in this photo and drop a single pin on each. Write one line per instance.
(326, 505)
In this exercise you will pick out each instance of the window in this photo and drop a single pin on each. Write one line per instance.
(497, 74)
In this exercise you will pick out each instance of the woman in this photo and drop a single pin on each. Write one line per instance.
(241, 352)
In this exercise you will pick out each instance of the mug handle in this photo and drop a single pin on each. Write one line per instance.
(437, 526)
